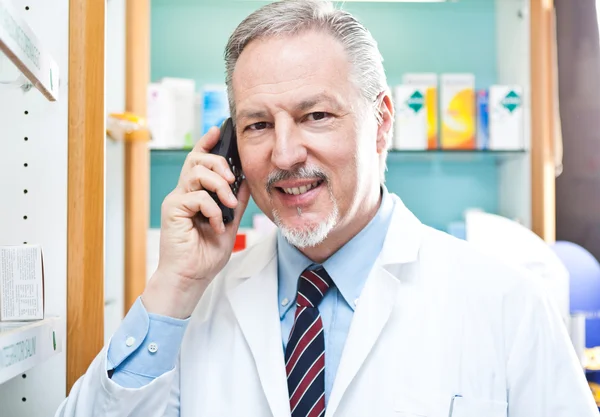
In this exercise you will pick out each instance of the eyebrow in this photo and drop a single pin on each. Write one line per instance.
(252, 114)
(313, 101)
(304, 105)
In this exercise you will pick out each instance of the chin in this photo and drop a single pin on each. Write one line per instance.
(310, 234)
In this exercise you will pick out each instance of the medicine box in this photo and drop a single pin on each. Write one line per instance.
(410, 131)
(215, 106)
(171, 105)
(428, 83)
(21, 283)
(483, 120)
(457, 102)
(506, 117)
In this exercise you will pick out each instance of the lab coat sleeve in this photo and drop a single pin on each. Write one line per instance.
(95, 395)
(544, 375)
(147, 382)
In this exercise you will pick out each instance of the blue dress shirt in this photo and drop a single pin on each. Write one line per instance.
(146, 346)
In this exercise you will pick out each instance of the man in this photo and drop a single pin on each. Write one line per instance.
(353, 308)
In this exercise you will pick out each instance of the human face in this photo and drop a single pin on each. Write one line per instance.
(308, 141)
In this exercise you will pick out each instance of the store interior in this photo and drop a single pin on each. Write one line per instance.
(524, 186)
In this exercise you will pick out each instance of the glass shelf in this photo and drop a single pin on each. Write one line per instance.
(20, 45)
(455, 156)
(401, 156)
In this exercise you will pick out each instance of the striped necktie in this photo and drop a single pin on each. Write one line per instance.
(305, 351)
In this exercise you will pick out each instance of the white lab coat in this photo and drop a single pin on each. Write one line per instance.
(435, 320)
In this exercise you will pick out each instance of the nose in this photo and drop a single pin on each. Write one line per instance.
(289, 149)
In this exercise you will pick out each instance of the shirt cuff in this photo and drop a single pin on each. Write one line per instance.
(145, 344)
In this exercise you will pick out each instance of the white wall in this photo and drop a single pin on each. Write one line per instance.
(45, 204)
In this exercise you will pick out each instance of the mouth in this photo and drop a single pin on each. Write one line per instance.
(299, 190)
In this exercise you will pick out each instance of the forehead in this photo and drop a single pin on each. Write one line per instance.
(286, 67)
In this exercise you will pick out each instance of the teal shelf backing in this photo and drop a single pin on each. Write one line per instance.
(188, 38)
(436, 185)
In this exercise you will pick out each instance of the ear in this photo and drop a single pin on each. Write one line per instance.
(385, 120)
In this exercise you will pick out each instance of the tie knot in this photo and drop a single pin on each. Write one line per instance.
(312, 286)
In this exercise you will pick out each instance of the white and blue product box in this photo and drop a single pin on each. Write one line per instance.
(483, 119)
(410, 131)
(506, 117)
(215, 107)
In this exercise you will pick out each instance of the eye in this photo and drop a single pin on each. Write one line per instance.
(258, 126)
(317, 116)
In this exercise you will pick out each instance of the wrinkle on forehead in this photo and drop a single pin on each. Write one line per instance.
(279, 65)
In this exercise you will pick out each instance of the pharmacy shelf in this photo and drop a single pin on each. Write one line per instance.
(455, 156)
(21, 46)
(23, 345)
(176, 155)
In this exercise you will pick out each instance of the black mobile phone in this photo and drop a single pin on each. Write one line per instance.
(227, 148)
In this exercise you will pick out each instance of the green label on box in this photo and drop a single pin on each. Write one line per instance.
(416, 101)
(512, 101)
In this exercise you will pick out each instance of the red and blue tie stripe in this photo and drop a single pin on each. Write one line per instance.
(305, 351)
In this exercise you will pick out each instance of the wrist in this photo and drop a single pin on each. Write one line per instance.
(172, 296)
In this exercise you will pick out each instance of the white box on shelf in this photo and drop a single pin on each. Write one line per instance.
(506, 117)
(428, 82)
(410, 131)
(171, 107)
(21, 283)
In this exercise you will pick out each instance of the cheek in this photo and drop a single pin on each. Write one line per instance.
(255, 164)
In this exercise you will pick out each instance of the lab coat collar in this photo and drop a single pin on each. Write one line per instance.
(254, 300)
(403, 238)
(254, 303)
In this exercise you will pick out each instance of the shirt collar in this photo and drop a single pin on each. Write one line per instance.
(349, 267)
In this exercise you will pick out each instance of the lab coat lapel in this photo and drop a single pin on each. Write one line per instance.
(372, 313)
(378, 298)
(254, 303)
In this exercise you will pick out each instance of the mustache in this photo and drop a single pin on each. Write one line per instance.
(302, 172)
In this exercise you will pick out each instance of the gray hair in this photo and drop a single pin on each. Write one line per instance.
(289, 17)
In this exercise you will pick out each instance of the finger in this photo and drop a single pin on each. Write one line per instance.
(243, 196)
(208, 141)
(213, 162)
(202, 178)
(199, 202)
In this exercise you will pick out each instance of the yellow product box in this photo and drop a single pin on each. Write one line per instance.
(457, 97)
(428, 83)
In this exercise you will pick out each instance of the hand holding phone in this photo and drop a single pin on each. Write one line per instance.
(195, 240)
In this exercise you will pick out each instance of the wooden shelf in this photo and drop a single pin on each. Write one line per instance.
(24, 345)
(23, 48)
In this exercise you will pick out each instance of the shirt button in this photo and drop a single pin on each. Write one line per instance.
(285, 302)
(130, 341)
(152, 347)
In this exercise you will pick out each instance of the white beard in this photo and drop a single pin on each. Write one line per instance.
(313, 234)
